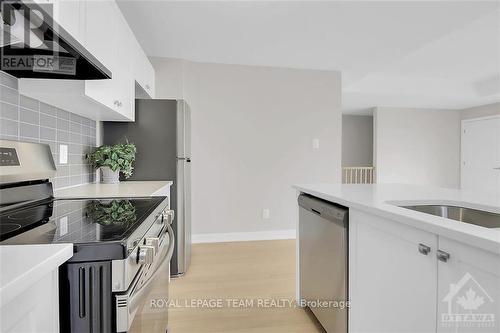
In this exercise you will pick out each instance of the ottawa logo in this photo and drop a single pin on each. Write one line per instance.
(468, 306)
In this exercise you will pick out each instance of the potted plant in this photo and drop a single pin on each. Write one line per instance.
(113, 159)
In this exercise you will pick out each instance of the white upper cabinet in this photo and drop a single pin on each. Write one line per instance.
(124, 52)
(108, 39)
(70, 14)
(102, 29)
(144, 73)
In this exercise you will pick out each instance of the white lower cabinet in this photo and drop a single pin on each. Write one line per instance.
(403, 279)
(392, 285)
(468, 289)
(34, 310)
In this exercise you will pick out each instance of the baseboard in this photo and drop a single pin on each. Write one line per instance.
(243, 236)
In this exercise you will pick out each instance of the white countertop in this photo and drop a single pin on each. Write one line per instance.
(23, 265)
(382, 200)
(122, 189)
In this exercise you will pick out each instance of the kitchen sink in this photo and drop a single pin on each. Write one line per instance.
(467, 215)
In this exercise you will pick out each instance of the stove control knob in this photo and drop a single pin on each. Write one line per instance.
(146, 255)
(154, 242)
(169, 215)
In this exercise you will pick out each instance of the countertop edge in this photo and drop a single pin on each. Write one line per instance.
(432, 224)
(122, 189)
(16, 286)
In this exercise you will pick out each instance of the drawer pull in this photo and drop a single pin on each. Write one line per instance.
(424, 249)
(443, 256)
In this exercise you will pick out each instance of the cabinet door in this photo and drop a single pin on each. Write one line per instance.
(36, 309)
(144, 72)
(70, 14)
(392, 285)
(124, 61)
(100, 30)
(108, 38)
(468, 289)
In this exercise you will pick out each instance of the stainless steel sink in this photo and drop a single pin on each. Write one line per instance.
(462, 214)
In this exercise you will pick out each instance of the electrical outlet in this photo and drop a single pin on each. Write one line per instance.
(315, 143)
(266, 214)
(63, 226)
(63, 154)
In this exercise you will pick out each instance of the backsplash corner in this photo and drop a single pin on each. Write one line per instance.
(23, 118)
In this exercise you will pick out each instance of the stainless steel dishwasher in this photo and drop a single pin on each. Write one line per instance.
(323, 251)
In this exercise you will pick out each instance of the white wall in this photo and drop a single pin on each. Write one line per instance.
(481, 111)
(252, 133)
(417, 146)
(357, 141)
(169, 77)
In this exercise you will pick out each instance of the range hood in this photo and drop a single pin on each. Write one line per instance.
(33, 45)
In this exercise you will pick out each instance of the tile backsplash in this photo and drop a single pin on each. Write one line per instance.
(27, 119)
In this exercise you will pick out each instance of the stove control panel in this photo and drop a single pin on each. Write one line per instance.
(8, 157)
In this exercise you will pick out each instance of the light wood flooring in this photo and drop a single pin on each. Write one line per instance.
(241, 271)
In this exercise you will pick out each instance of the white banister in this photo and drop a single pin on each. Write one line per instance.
(358, 175)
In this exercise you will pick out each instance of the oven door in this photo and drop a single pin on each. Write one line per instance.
(144, 307)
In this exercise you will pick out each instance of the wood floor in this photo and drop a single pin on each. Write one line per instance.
(243, 272)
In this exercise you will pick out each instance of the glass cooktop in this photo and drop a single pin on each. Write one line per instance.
(75, 220)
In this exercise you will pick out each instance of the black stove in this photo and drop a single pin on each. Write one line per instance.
(122, 247)
(108, 222)
(79, 220)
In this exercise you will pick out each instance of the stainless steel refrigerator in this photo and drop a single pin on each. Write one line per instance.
(162, 134)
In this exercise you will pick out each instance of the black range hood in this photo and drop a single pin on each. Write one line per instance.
(33, 45)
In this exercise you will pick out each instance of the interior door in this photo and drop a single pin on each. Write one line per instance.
(480, 167)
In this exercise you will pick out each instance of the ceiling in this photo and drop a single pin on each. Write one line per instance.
(425, 54)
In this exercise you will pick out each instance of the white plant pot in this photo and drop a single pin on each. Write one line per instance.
(109, 176)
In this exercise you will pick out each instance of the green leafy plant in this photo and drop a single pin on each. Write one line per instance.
(118, 157)
(112, 212)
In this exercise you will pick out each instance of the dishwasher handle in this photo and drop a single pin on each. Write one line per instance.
(327, 210)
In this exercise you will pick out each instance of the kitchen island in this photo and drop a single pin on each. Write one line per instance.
(410, 271)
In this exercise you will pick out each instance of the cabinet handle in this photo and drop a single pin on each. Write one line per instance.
(424, 249)
(443, 256)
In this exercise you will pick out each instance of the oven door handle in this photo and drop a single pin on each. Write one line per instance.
(135, 297)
